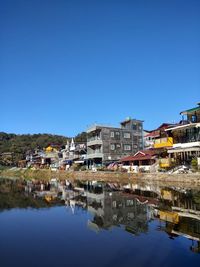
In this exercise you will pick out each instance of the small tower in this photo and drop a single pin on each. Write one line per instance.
(72, 145)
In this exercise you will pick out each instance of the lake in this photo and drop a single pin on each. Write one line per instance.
(98, 224)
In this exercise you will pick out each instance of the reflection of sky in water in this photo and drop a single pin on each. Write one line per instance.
(56, 236)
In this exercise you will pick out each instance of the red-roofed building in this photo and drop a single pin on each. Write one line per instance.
(144, 159)
(158, 138)
(140, 155)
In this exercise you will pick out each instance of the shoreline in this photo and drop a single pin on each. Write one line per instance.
(180, 179)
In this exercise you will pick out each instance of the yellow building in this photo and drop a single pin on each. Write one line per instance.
(163, 142)
(49, 149)
(169, 216)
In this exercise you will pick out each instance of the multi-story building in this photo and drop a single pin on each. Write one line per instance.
(108, 144)
(158, 138)
(186, 136)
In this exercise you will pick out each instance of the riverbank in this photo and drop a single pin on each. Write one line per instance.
(190, 179)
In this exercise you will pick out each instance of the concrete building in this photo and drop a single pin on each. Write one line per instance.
(107, 144)
(186, 136)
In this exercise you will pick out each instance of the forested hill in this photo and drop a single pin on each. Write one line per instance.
(20, 144)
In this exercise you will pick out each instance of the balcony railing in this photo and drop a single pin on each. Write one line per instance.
(163, 142)
(93, 138)
(95, 155)
(93, 142)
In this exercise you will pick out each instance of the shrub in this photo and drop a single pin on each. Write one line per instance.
(194, 163)
(76, 167)
(83, 168)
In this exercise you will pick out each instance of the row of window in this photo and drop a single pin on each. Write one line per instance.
(126, 147)
(112, 134)
(117, 134)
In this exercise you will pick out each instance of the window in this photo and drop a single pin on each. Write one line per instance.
(112, 147)
(194, 118)
(135, 139)
(134, 126)
(114, 204)
(112, 134)
(117, 135)
(127, 135)
(129, 202)
(127, 147)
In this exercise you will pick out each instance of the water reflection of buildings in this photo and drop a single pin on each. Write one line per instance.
(130, 207)
(180, 209)
(117, 209)
(135, 206)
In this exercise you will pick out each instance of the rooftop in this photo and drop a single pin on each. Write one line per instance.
(192, 110)
(128, 119)
(99, 125)
(142, 155)
(183, 126)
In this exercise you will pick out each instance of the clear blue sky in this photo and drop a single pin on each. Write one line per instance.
(65, 64)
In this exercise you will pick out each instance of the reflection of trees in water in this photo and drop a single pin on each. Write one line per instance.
(190, 226)
(98, 220)
(12, 195)
(196, 198)
(187, 199)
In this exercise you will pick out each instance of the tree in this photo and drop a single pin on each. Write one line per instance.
(81, 137)
(20, 144)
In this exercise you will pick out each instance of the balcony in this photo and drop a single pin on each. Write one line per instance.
(163, 142)
(94, 141)
(165, 163)
(187, 145)
(95, 155)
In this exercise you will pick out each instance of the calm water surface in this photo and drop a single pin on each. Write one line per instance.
(95, 224)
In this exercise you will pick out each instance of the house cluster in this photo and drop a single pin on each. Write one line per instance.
(56, 156)
(129, 146)
(170, 145)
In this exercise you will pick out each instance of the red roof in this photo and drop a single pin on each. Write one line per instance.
(153, 134)
(142, 155)
(156, 132)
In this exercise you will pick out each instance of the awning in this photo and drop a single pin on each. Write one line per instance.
(179, 150)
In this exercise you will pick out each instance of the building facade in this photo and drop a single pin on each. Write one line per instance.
(158, 138)
(186, 136)
(108, 144)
